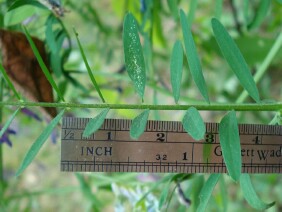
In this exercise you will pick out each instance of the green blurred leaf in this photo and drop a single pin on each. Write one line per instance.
(192, 57)
(218, 8)
(223, 193)
(86, 189)
(235, 59)
(163, 195)
(164, 179)
(230, 144)
(10, 84)
(21, 3)
(250, 194)
(260, 15)
(54, 40)
(246, 4)
(206, 192)
(18, 15)
(36, 146)
(172, 4)
(133, 54)
(8, 122)
(178, 178)
(42, 64)
(92, 78)
(94, 124)
(197, 185)
(192, 9)
(176, 66)
(194, 124)
(157, 33)
(138, 124)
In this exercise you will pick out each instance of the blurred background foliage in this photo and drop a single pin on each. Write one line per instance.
(253, 25)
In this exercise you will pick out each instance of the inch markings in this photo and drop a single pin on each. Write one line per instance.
(164, 147)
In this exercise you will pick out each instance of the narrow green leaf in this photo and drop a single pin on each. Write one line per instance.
(218, 8)
(235, 59)
(197, 185)
(21, 3)
(176, 65)
(223, 191)
(94, 124)
(230, 144)
(92, 78)
(42, 64)
(261, 12)
(10, 84)
(172, 4)
(138, 124)
(164, 194)
(7, 124)
(246, 11)
(194, 124)
(193, 58)
(54, 40)
(36, 146)
(206, 191)
(192, 10)
(133, 54)
(250, 194)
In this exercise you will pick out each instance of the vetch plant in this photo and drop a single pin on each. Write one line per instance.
(136, 66)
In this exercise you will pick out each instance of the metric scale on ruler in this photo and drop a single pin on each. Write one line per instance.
(165, 147)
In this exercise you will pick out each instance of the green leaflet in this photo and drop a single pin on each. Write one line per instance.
(7, 124)
(193, 58)
(262, 10)
(54, 40)
(10, 84)
(42, 64)
(235, 59)
(250, 194)
(139, 124)
(194, 124)
(92, 78)
(36, 146)
(94, 124)
(133, 54)
(230, 144)
(20, 3)
(206, 191)
(176, 65)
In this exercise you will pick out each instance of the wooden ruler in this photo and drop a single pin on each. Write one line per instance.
(165, 147)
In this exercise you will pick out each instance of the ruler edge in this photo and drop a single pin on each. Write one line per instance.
(211, 127)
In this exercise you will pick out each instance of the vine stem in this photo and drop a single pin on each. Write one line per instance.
(1, 149)
(210, 107)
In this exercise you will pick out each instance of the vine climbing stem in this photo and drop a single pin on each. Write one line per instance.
(207, 107)
(1, 149)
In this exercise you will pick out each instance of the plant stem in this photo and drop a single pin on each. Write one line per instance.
(210, 107)
(263, 67)
(1, 150)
